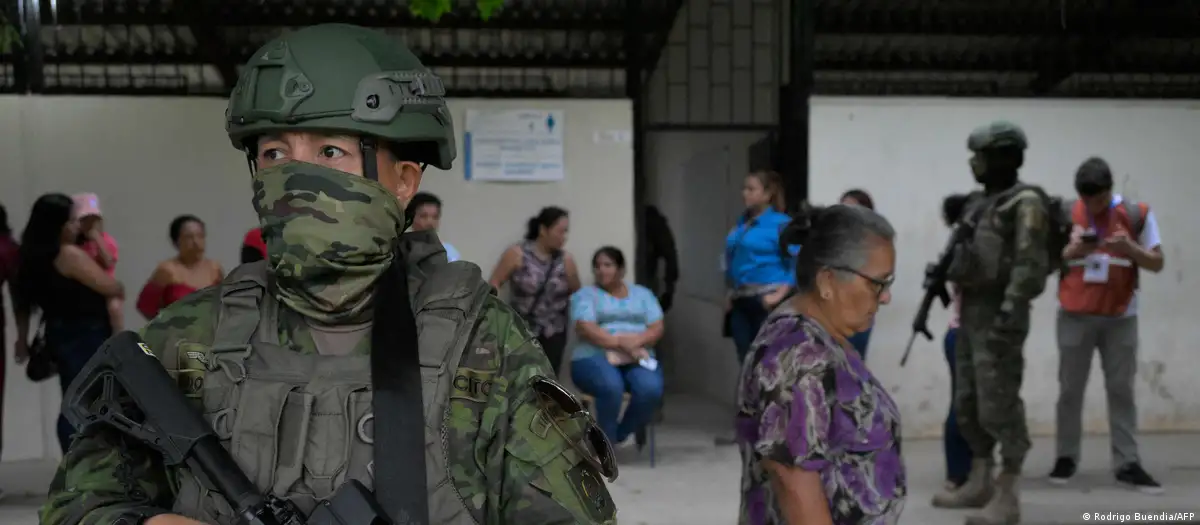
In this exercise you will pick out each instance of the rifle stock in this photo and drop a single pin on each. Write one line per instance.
(125, 388)
(935, 287)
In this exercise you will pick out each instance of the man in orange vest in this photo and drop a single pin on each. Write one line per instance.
(1110, 241)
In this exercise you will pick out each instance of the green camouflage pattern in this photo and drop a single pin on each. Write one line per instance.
(330, 235)
(511, 459)
(999, 134)
(1011, 240)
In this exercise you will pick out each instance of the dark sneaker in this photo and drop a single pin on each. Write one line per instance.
(1064, 470)
(1135, 477)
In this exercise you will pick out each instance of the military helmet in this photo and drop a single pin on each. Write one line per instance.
(341, 78)
(999, 134)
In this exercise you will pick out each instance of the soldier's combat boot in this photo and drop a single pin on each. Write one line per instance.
(973, 494)
(1005, 506)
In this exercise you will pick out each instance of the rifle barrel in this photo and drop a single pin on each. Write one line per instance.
(908, 349)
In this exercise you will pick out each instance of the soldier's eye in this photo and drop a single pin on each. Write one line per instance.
(332, 152)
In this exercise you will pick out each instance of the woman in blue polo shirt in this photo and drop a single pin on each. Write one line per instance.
(857, 197)
(758, 274)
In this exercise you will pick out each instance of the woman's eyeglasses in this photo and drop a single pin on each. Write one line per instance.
(881, 285)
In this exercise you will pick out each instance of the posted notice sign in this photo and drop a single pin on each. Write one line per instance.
(516, 145)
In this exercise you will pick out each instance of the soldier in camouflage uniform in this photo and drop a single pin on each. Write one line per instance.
(339, 123)
(1001, 269)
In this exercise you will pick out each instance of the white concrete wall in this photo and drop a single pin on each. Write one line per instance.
(909, 154)
(151, 159)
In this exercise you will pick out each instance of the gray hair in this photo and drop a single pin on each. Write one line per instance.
(834, 237)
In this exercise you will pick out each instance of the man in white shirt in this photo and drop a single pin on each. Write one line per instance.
(1111, 241)
(426, 210)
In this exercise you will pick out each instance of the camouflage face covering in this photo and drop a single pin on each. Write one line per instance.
(330, 235)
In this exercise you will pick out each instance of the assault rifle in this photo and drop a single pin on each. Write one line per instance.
(935, 286)
(124, 387)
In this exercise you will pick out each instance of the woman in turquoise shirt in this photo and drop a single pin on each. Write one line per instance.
(757, 272)
(618, 325)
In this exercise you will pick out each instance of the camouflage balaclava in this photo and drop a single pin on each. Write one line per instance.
(998, 151)
(330, 235)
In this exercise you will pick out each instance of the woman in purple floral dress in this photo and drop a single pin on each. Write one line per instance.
(820, 436)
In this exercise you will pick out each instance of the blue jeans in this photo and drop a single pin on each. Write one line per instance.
(607, 383)
(73, 342)
(859, 342)
(958, 451)
(747, 316)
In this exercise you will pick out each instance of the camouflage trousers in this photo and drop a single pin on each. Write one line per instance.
(989, 369)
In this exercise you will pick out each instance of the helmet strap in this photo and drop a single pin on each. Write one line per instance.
(370, 164)
(251, 156)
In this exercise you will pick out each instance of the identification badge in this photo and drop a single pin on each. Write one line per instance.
(1095, 268)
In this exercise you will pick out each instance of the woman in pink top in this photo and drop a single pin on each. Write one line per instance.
(958, 452)
(98, 244)
(183, 274)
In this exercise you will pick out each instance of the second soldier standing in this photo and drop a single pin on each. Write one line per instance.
(1000, 269)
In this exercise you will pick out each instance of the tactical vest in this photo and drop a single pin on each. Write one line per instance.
(301, 425)
(985, 259)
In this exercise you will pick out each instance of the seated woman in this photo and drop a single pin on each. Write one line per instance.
(618, 325)
(183, 274)
(819, 435)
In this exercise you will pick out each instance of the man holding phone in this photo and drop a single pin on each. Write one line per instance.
(1111, 240)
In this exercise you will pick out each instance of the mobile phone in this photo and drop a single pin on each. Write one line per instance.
(1089, 237)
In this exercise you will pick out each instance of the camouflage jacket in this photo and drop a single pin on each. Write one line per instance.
(104, 477)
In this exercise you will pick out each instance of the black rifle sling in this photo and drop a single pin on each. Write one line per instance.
(399, 434)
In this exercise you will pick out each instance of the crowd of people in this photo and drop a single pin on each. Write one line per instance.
(618, 322)
(792, 312)
(819, 435)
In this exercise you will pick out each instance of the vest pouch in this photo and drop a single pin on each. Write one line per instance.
(195, 498)
(293, 441)
(982, 261)
(330, 434)
(255, 443)
(360, 452)
(219, 402)
(196, 501)
(963, 267)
